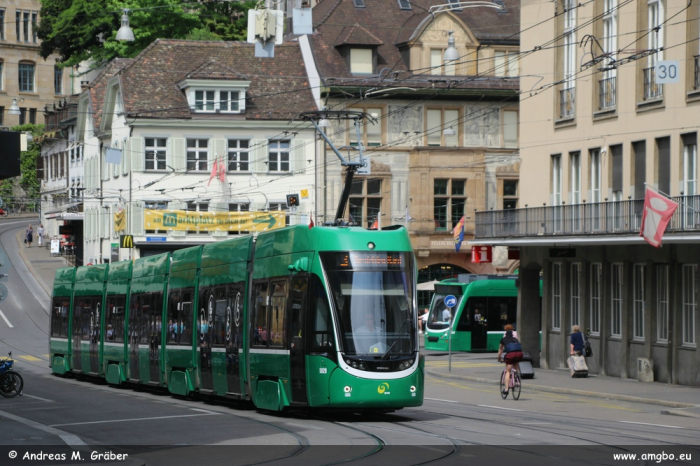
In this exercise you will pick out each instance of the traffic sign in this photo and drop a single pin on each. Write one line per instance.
(450, 301)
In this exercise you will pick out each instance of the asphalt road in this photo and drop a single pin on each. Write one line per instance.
(459, 422)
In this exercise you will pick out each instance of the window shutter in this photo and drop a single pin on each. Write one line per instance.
(105, 165)
(258, 156)
(138, 154)
(136, 218)
(126, 158)
(298, 159)
(116, 168)
(177, 157)
(220, 151)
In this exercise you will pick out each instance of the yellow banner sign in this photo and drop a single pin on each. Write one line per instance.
(212, 221)
(119, 221)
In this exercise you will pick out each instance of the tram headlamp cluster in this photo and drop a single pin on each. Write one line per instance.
(405, 364)
(356, 364)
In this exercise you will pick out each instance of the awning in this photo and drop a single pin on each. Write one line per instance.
(77, 216)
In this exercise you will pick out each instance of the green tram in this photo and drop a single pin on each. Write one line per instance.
(485, 304)
(319, 317)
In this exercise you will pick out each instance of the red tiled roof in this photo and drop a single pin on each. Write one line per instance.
(279, 87)
(98, 87)
(357, 35)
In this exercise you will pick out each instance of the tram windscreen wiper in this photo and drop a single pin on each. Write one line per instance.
(403, 332)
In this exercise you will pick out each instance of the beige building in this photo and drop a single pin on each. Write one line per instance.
(611, 101)
(25, 78)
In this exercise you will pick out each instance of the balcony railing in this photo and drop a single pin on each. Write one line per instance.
(651, 89)
(56, 116)
(567, 107)
(697, 72)
(607, 92)
(604, 218)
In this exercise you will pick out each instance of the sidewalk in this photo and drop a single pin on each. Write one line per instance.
(41, 264)
(483, 368)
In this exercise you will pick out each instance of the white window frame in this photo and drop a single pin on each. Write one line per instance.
(506, 63)
(638, 301)
(238, 155)
(556, 179)
(575, 162)
(610, 35)
(596, 297)
(510, 128)
(201, 159)
(32, 84)
(596, 176)
(616, 298)
(570, 44)
(575, 293)
(690, 166)
(556, 296)
(655, 17)
(275, 156)
(689, 304)
(157, 152)
(662, 303)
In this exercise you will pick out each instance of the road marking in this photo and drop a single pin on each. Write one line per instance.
(498, 407)
(37, 398)
(203, 411)
(5, 319)
(68, 439)
(305, 427)
(133, 419)
(28, 357)
(534, 423)
(438, 399)
(653, 425)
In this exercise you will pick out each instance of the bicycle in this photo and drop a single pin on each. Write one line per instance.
(514, 384)
(11, 382)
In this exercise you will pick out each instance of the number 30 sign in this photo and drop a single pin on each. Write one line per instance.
(667, 72)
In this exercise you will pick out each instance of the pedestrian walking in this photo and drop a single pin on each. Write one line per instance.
(40, 235)
(29, 236)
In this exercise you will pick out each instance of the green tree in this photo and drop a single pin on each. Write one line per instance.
(27, 181)
(82, 30)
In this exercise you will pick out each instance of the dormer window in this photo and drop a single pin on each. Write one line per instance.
(361, 61)
(215, 96)
(212, 101)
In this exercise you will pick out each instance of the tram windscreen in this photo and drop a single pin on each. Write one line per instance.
(373, 296)
(440, 315)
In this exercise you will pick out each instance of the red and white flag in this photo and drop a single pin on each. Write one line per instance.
(214, 171)
(222, 171)
(658, 210)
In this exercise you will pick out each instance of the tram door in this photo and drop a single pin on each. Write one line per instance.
(95, 333)
(134, 337)
(296, 312)
(77, 332)
(151, 309)
(204, 329)
(234, 336)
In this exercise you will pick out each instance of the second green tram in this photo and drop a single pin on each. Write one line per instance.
(485, 304)
(320, 317)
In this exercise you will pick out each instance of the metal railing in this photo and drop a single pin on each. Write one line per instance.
(697, 72)
(603, 218)
(651, 89)
(607, 93)
(567, 107)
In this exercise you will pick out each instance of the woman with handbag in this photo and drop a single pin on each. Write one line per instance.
(577, 361)
(577, 341)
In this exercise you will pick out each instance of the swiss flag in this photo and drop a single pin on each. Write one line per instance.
(658, 210)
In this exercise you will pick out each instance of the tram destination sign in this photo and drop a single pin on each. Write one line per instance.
(370, 260)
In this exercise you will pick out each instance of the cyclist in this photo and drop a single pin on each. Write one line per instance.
(512, 353)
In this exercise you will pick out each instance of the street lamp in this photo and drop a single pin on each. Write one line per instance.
(14, 108)
(125, 33)
(451, 54)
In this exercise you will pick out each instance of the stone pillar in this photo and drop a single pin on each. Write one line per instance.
(529, 311)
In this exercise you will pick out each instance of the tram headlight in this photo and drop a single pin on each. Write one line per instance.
(413, 389)
(370, 245)
(347, 389)
(354, 364)
(362, 367)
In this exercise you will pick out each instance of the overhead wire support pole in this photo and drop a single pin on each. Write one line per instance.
(350, 166)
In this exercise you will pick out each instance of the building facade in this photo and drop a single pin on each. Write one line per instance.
(192, 142)
(441, 136)
(613, 107)
(25, 78)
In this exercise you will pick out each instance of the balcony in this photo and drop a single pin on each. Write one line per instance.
(651, 89)
(697, 73)
(567, 107)
(607, 92)
(56, 116)
(604, 218)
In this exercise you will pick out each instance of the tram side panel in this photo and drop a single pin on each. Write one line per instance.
(145, 320)
(115, 331)
(221, 340)
(60, 331)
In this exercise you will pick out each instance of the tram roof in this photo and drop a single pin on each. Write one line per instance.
(65, 275)
(151, 265)
(120, 270)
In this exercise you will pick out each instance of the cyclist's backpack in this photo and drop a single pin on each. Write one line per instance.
(514, 346)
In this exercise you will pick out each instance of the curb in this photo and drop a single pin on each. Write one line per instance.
(680, 412)
(28, 263)
(571, 391)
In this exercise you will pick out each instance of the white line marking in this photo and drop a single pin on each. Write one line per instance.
(498, 407)
(69, 439)
(134, 419)
(38, 398)
(438, 399)
(534, 423)
(305, 427)
(5, 319)
(203, 411)
(653, 425)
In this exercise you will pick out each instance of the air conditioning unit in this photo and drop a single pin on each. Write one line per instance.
(645, 370)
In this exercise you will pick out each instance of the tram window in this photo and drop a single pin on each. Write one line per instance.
(219, 335)
(114, 319)
(321, 325)
(174, 323)
(277, 311)
(85, 318)
(502, 311)
(59, 318)
(186, 317)
(146, 319)
(298, 299)
(260, 317)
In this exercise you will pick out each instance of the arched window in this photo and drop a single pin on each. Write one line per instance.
(26, 76)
